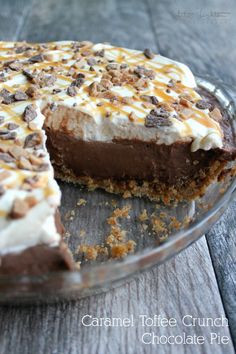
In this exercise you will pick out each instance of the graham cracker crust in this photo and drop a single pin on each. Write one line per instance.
(154, 190)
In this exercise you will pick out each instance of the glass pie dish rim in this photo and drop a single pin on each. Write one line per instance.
(101, 276)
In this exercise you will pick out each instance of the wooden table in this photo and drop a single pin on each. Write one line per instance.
(201, 281)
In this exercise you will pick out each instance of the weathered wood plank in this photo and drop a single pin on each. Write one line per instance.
(182, 286)
(107, 20)
(12, 17)
(222, 244)
(202, 36)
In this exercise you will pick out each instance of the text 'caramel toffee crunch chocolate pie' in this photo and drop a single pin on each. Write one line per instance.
(127, 121)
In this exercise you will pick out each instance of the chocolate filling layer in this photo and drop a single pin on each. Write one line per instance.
(128, 159)
(38, 259)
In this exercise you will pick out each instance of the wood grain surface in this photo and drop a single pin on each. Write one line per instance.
(201, 280)
(174, 289)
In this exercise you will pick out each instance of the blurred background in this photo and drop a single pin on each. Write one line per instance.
(200, 33)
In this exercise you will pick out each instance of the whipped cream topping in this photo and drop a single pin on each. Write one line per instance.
(116, 89)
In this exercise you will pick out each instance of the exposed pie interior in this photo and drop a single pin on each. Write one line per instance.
(127, 121)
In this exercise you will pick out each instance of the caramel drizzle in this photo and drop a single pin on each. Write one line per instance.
(3, 213)
(200, 117)
(120, 55)
(133, 59)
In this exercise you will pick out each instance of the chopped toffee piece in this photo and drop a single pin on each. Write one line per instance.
(36, 58)
(91, 61)
(71, 91)
(100, 53)
(28, 74)
(152, 121)
(32, 140)
(78, 82)
(29, 113)
(7, 135)
(158, 117)
(55, 91)
(151, 99)
(33, 92)
(19, 209)
(203, 104)
(53, 107)
(12, 126)
(15, 66)
(216, 114)
(20, 96)
(7, 97)
(6, 157)
(148, 53)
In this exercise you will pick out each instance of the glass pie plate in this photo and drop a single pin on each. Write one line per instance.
(84, 215)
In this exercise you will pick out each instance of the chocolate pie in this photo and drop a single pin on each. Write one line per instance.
(127, 121)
